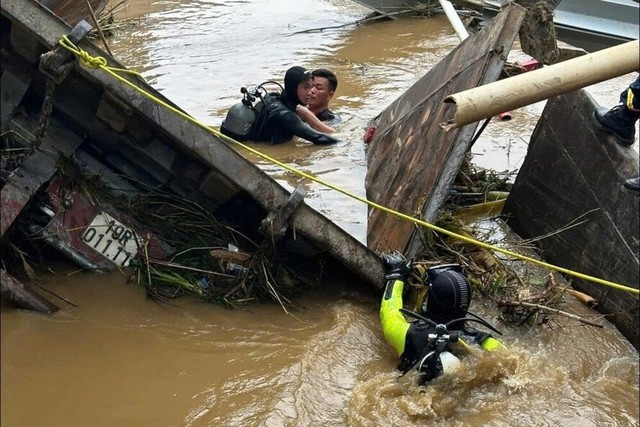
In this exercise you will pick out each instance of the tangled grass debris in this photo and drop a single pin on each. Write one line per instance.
(108, 22)
(212, 260)
(524, 293)
(206, 257)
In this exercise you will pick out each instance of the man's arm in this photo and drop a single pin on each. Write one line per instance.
(287, 119)
(308, 117)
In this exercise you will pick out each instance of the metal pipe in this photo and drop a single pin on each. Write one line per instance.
(454, 19)
(508, 94)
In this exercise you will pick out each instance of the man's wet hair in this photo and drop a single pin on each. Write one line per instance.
(329, 75)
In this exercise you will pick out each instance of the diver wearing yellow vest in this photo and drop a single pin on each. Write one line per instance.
(425, 342)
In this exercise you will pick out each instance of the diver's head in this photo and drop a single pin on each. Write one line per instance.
(297, 82)
(448, 294)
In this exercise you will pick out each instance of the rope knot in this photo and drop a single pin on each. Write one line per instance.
(92, 61)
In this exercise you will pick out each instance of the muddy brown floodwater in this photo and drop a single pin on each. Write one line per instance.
(120, 359)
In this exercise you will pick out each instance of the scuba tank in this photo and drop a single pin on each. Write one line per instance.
(241, 118)
(436, 358)
(435, 364)
(449, 362)
(243, 122)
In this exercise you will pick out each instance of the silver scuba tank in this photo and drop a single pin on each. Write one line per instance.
(238, 124)
(446, 364)
(449, 362)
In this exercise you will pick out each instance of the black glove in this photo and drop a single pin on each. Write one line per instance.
(396, 266)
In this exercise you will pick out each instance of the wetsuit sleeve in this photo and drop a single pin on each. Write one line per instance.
(490, 344)
(289, 121)
(394, 325)
(631, 97)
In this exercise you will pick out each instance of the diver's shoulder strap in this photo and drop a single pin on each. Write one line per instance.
(417, 344)
(265, 109)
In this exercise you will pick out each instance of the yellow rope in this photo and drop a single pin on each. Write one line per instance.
(97, 61)
(100, 62)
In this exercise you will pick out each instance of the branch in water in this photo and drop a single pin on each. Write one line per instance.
(358, 22)
(551, 310)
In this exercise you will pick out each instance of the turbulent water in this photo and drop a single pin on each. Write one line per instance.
(118, 358)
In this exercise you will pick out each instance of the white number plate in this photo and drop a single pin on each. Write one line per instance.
(112, 239)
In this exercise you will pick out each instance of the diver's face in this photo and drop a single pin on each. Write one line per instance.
(304, 87)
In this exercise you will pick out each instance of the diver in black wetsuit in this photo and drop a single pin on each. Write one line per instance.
(279, 121)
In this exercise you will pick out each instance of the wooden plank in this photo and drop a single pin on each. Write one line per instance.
(36, 170)
(22, 185)
(12, 89)
(412, 160)
(73, 11)
(573, 173)
(21, 296)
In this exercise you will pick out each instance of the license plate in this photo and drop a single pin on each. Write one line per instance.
(112, 239)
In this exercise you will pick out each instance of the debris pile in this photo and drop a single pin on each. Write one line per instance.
(524, 292)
